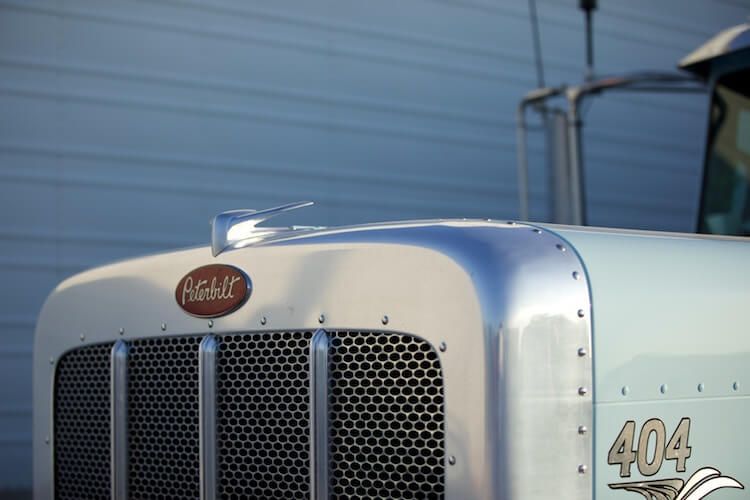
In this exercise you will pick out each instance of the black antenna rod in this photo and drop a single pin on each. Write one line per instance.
(537, 44)
(588, 7)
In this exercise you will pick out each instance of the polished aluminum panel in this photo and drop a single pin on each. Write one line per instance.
(207, 407)
(119, 418)
(498, 301)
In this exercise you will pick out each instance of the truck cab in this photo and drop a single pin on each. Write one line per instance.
(724, 63)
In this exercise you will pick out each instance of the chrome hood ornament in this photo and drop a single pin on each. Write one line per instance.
(238, 228)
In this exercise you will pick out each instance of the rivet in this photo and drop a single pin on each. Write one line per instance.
(663, 388)
(582, 429)
(210, 323)
(46, 439)
(582, 469)
(452, 460)
(163, 327)
(321, 319)
(581, 313)
(582, 391)
(560, 247)
(736, 386)
(625, 390)
(582, 352)
(384, 320)
(576, 275)
(122, 331)
(443, 347)
(701, 387)
(82, 337)
(263, 320)
(52, 361)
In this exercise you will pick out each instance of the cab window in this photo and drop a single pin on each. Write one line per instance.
(725, 201)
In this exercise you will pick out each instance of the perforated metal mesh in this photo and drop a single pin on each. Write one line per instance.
(163, 418)
(264, 415)
(81, 419)
(386, 417)
(385, 410)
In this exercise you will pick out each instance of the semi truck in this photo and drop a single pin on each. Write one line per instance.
(457, 359)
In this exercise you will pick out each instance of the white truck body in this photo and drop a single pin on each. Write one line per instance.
(546, 342)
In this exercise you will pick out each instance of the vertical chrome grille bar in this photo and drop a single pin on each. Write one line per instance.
(207, 402)
(319, 416)
(119, 422)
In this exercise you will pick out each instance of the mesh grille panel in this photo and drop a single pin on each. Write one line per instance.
(264, 415)
(385, 412)
(82, 435)
(163, 418)
(386, 417)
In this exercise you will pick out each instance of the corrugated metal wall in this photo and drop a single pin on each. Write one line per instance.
(125, 125)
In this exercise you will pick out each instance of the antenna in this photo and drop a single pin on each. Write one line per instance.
(537, 44)
(588, 7)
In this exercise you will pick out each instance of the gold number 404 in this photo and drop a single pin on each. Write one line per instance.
(623, 454)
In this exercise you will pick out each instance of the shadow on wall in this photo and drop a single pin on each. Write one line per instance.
(15, 494)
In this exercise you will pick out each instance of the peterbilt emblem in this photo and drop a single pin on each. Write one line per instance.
(213, 290)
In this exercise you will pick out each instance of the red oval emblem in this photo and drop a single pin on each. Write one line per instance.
(213, 290)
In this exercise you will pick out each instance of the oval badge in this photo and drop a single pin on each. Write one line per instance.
(213, 290)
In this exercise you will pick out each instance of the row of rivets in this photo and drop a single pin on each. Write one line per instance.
(664, 388)
(321, 319)
(582, 353)
(263, 320)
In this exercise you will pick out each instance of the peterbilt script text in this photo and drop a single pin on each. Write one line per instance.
(202, 291)
(213, 290)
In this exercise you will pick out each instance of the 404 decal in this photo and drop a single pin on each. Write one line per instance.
(652, 438)
(624, 454)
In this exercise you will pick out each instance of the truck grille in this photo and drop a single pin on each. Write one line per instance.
(163, 446)
(264, 415)
(82, 447)
(385, 403)
(385, 418)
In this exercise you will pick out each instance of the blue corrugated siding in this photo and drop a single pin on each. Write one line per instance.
(125, 125)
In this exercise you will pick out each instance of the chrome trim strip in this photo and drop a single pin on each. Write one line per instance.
(207, 420)
(119, 423)
(319, 416)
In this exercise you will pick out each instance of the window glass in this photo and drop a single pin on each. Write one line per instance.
(725, 207)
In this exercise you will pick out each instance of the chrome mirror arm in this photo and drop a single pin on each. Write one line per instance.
(234, 226)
